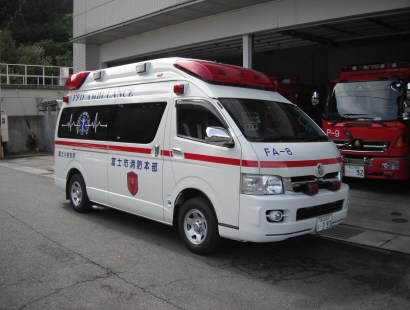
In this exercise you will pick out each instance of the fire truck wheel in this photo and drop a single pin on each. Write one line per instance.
(78, 194)
(198, 227)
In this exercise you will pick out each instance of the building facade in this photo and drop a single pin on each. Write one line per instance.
(29, 96)
(312, 39)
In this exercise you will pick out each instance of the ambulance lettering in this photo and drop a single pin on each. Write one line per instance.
(66, 154)
(109, 94)
(277, 152)
(134, 164)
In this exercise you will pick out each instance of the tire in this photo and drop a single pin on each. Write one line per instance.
(78, 194)
(198, 227)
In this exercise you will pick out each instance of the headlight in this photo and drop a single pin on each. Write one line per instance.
(254, 184)
(390, 165)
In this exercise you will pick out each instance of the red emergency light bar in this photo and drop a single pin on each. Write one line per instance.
(215, 73)
(393, 65)
(75, 81)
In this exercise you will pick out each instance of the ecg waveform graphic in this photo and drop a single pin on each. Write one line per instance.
(84, 123)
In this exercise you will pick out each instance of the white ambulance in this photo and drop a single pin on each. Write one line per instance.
(207, 147)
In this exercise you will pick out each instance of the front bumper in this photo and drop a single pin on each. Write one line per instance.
(254, 225)
(372, 167)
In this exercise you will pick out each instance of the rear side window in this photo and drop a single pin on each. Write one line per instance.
(132, 123)
(137, 123)
(91, 123)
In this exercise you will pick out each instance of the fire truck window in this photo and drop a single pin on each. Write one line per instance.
(365, 100)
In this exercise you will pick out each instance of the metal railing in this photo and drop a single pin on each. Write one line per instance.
(20, 74)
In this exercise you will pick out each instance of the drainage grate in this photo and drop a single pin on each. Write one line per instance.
(341, 232)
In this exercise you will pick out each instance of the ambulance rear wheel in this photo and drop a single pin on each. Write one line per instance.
(78, 194)
(198, 227)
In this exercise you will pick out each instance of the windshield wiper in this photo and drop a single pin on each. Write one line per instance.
(290, 139)
(344, 117)
(373, 120)
(315, 138)
(348, 116)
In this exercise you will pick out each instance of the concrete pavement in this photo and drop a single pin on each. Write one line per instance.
(379, 211)
(379, 215)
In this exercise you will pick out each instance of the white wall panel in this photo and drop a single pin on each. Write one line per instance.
(92, 57)
(94, 15)
(273, 15)
(79, 57)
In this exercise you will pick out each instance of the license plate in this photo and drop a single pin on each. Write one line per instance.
(354, 171)
(324, 222)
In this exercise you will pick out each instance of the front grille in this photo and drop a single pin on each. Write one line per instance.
(300, 183)
(310, 212)
(366, 146)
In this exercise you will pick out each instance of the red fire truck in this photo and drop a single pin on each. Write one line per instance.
(297, 93)
(367, 116)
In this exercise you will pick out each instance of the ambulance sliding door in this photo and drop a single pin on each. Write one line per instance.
(135, 163)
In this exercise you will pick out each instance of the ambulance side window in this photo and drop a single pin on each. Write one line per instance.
(137, 123)
(88, 123)
(193, 119)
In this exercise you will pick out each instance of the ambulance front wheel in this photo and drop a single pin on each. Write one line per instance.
(78, 194)
(198, 227)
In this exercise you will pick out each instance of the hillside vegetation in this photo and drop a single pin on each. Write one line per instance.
(36, 32)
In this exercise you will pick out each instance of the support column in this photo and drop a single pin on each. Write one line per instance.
(247, 49)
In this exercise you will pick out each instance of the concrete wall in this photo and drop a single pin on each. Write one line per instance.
(17, 100)
(43, 128)
(21, 104)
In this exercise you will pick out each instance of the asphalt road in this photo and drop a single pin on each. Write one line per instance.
(54, 258)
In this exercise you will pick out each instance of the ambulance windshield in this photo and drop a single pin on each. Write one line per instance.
(364, 101)
(270, 121)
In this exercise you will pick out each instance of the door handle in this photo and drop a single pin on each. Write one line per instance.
(177, 151)
(156, 150)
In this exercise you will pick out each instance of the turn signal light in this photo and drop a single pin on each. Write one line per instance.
(75, 81)
(402, 141)
(336, 185)
(179, 89)
(312, 189)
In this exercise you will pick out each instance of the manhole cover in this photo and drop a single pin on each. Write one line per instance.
(342, 232)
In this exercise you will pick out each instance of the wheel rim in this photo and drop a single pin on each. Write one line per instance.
(76, 193)
(195, 226)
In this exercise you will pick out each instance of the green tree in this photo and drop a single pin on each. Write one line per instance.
(33, 54)
(7, 47)
(36, 32)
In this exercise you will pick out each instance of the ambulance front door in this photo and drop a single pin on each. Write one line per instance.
(211, 169)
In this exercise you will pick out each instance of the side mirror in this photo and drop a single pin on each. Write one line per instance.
(408, 93)
(406, 104)
(396, 86)
(315, 98)
(219, 136)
